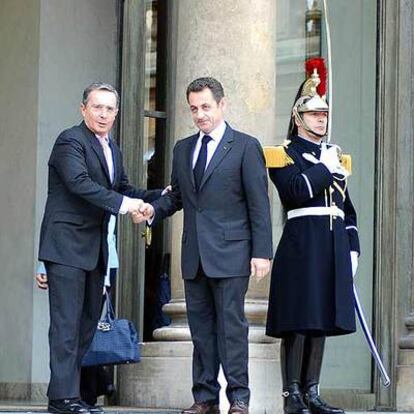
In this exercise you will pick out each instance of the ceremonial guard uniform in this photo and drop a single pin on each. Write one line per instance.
(311, 292)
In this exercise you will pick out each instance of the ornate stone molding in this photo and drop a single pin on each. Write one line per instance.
(178, 330)
(407, 340)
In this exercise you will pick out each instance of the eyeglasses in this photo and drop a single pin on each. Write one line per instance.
(110, 110)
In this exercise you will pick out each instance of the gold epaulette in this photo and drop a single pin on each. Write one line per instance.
(277, 157)
(346, 162)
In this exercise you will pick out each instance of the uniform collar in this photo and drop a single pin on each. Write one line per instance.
(307, 144)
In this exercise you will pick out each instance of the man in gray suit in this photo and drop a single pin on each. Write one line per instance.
(219, 179)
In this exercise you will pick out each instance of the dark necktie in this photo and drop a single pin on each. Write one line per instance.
(201, 161)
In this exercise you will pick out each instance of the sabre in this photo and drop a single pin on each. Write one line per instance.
(329, 50)
(372, 347)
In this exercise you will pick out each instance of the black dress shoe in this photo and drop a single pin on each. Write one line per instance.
(317, 405)
(67, 406)
(93, 409)
(202, 408)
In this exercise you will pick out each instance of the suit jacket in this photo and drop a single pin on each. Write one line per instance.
(227, 222)
(81, 199)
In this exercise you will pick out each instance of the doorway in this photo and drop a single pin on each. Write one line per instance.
(144, 262)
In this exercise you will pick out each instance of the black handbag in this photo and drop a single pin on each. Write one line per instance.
(115, 340)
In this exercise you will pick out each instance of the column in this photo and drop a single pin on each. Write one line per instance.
(234, 42)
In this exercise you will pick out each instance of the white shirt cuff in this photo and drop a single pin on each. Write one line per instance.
(124, 206)
(151, 220)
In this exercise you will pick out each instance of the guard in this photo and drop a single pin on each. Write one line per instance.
(311, 292)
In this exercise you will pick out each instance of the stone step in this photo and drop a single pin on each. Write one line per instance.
(37, 409)
(111, 410)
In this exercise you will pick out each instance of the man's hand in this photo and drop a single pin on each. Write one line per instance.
(259, 267)
(329, 157)
(134, 204)
(166, 190)
(41, 280)
(145, 212)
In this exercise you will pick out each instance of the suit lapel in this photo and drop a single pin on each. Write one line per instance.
(189, 157)
(221, 151)
(97, 147)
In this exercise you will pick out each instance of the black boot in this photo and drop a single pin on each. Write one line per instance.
(293, 402)
(316, 404)
(291, 354)
(311, 370)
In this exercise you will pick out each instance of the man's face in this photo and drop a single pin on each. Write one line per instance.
(206, 112)
(100, 112)
(317, 122)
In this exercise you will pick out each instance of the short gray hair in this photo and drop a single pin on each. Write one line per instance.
(99, 86)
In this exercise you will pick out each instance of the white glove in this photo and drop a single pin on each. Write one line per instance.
(354, 262)
(329, 157)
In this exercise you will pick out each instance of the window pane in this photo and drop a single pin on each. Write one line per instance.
(298, 38)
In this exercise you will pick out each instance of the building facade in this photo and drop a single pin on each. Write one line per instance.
(151, 50)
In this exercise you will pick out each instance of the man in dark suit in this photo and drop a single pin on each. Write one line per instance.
(219, 179)
(86, 184)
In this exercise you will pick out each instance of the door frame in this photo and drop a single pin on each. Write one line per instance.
(393, 290)
(131, 283)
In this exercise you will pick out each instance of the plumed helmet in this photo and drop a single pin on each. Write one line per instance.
(313, 91)
(311, 96)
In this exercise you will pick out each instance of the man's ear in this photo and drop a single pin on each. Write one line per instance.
(223, 103)
(295, 120)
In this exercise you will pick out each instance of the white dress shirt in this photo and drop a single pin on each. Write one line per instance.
(216, 136)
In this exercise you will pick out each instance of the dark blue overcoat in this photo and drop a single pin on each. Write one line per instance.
(311, 283)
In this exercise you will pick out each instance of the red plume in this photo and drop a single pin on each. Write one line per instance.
(319, 64)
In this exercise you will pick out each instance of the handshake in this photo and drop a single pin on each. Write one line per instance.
(139, 210)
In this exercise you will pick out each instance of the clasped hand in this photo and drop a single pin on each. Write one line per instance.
(143, 213)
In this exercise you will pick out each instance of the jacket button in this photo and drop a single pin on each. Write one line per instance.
(200, 209)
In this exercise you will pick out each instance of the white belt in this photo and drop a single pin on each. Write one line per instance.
(316, 211)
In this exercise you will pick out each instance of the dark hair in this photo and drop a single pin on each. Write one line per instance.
(99, 86)
(214, 85)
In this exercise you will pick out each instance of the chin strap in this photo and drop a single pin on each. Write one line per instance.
(304, 125)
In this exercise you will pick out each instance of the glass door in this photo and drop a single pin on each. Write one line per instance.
(143, 141)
